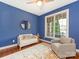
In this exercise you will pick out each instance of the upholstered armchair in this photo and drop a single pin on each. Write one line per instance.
(64, 47)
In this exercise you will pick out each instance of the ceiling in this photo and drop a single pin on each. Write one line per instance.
(34, 9)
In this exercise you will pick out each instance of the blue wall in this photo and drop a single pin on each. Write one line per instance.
(10, 19)
(74, 21)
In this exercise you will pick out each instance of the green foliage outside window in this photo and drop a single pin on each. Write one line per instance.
(57, 29)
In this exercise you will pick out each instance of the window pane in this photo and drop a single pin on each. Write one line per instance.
(50, 26)
(60, 25)
(57, 28)
(56, 25)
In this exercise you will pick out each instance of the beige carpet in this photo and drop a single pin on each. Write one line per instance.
(39, 51)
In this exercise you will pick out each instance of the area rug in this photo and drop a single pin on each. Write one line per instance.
(39, 51)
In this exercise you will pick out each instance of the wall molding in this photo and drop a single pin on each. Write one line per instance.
(77, 50)
(13, 45)
(45, 41)
(5, 47)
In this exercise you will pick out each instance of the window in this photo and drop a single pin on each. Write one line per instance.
(57, 25)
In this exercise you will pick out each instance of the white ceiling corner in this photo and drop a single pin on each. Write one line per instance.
(34, 9)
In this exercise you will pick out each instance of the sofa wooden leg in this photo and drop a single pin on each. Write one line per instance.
(19, 47)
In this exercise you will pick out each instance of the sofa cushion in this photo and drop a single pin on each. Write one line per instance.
(26, 36)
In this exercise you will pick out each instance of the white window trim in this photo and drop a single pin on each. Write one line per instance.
(67, 10)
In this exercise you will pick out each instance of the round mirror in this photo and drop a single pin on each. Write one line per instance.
(25, 25)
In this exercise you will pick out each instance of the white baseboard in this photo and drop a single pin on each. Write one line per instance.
(45, 41)
(1, 48)
(77, 50)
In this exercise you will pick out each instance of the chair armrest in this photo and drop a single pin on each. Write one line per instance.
(69, 47)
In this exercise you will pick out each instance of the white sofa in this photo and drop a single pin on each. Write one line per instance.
(26, 39)
(64, 47)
